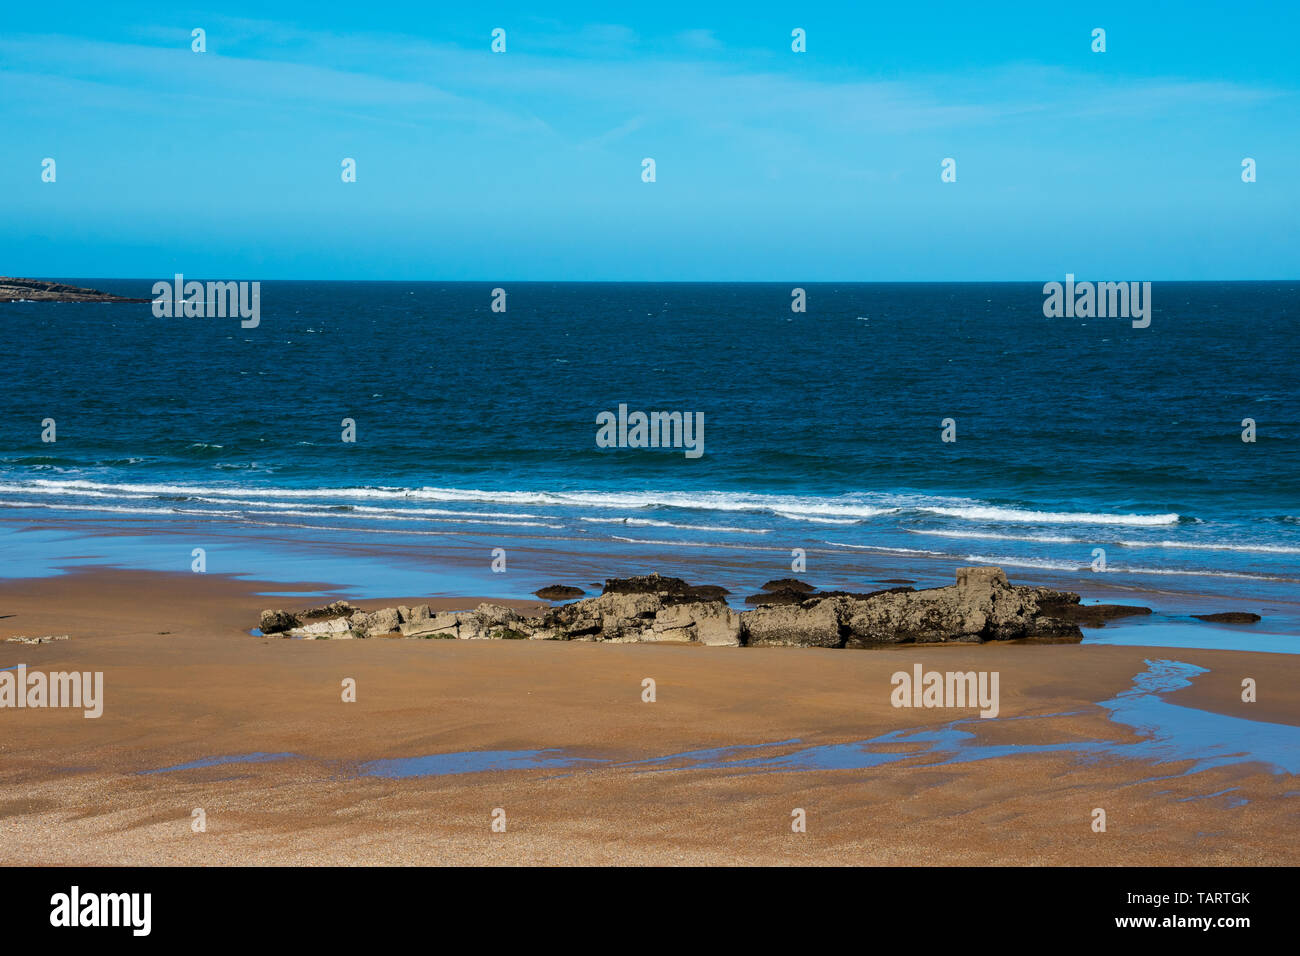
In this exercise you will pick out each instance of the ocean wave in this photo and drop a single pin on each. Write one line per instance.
(1041, 564)
(881, 547)
(1212, 546)
(844, 506)
(378, 513)
(303, 513)
(27, 489)
(118, 509)
(1091, 542)
(273, 512)
(174, 493)
(842, 509)
(790, 506)
(675, 544)
(1048, 565)
(41, 460)
(650, 523)
(321, 527)
(816, 519)
(990, 513)
(991, 536)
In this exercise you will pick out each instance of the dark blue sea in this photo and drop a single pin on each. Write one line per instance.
(823, 432)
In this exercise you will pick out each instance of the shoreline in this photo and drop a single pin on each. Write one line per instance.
(362, 566)
(1171, 625)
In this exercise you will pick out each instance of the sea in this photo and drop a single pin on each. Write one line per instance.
(410, 438)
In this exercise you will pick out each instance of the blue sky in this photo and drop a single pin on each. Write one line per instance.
(770, 164)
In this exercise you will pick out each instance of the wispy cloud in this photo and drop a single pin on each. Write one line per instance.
(699, 40)
(589, 100)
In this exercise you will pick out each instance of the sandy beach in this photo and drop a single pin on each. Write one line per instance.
(291, 778)
(861, 438)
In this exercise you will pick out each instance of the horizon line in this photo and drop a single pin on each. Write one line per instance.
(782, 282)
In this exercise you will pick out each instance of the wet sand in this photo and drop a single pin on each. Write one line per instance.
(74, 791)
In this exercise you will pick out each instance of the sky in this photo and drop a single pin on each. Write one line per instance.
(769, 164)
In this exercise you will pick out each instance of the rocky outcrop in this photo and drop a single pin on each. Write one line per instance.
(559, 592)
(340, 621)
(669, 590)
(782, 591)
(706, 622)
(815, 623)
(40, 290)
(789, 584)
(632, 616)
(277, 622)
(44, 639)
(1229, 617)
(432, 626)
(384, 621)
(982, 606)
(1093, 615)
(779, 597)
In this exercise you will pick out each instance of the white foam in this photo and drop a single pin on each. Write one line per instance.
(674, 544)
(816, 520)
(989, 513)
(1066, 539)
(1041, 564)
(877, 547)
(163, 510)
(845, 506)
(1212, 546)
(116, 509)
(989, 536)
(649, 523)
(1113, 569)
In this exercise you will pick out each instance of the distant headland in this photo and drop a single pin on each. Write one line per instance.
(41, 290)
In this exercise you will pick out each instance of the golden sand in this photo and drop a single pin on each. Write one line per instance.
(72, 791)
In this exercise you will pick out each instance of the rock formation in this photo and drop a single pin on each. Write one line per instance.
(981, 606)
(40, 290)
(559, 592)
(1092, 615)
